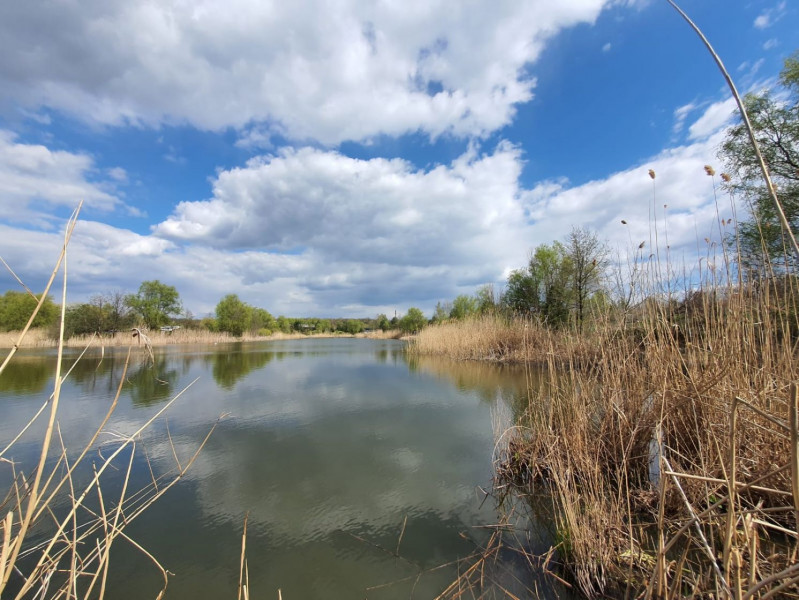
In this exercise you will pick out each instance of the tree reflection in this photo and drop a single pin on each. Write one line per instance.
(152, 382)
(27, 375)
(231, 366)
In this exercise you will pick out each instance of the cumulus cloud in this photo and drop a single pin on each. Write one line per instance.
(297, 69)
(382, 211)
(33, 173)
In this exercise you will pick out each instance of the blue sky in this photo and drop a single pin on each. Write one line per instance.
(364, 159)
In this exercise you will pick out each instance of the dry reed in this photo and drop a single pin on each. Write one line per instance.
(41, 338)
(662, 439)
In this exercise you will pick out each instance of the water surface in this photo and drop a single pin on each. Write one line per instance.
(329, 445)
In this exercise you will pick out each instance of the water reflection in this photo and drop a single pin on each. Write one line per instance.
(231, 365)
(153, 382)
(493, 382)
(29, 376)
(328, 443)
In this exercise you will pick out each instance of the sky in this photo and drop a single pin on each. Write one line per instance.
(350, 158)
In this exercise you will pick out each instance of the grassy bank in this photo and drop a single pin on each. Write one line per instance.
(41, 338)
(663, 437)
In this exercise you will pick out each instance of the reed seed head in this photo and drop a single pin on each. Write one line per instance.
(623, 222)
(710, 170)
(725, 177)
(651, 173)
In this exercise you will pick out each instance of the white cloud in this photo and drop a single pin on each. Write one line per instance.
(299, 69)
(681, 185)
(374, 211)
(607, 47)
(255, 138)
(681, 114)
(118, 174)
(32, 173)
(716, 116)
(771, 44)
(770, 16)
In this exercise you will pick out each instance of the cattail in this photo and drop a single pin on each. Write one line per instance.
(651, 173)
(641, 245)
(710, 170)
(726, 177)
(623, 222)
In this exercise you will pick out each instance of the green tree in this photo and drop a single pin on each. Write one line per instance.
(486, 301)
(413, 321)
(116, 314)
(351, 326)
(233, 315)
(442, 312)
(17, 307)
(84, 319)
(382, 322)
(284, 324)
(262, 322)
(155, 303)
(589, 259)
(776, 125)
(543, 289)
(463, 306)
(521, 295)
(551, 269)
(209, 324)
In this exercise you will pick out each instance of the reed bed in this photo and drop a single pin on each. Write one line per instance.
(496, 337)
(41, 338)
(667, 446)
(389, 334)
(35, 338)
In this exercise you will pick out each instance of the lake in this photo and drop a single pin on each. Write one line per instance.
(338, 450)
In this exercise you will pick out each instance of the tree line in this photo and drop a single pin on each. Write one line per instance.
(559, 285)
(156, 305)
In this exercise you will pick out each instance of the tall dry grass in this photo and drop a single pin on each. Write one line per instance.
(497, 337)
(665, 440)
(42, 338)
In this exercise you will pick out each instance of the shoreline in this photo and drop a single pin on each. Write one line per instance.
(39, 339)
